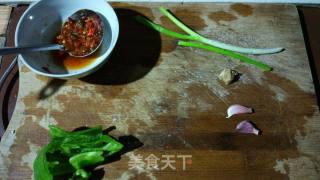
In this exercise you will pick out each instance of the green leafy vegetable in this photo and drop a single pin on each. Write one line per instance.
(41, 166)
(71, 152)
(86, 159)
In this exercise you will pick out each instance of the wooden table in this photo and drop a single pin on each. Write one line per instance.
(5, 12)
(170, 99)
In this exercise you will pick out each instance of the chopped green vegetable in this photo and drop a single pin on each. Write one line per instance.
(86, 159)
(71, 152)
(41, 166)
(56, 132)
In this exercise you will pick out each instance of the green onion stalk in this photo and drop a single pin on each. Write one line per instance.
(193, 39)
(215, 43)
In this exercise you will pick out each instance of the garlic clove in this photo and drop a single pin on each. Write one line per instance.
(238, 109)
(247, 127)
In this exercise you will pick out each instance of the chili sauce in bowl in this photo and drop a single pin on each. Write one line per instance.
(82, 34)
(42, 22)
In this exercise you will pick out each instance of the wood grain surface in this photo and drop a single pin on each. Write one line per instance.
(170, 99)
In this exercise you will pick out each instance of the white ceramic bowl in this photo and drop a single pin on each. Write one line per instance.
(43, 20)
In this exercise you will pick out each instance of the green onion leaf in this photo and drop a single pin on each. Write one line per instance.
(227, 53)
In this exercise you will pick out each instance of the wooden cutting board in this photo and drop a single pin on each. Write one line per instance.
(170, 99)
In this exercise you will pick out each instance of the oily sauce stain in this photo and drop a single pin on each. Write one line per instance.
(222, 16)
(190, 18)
(242, 9)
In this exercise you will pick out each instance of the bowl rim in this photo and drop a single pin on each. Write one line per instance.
(77, 73)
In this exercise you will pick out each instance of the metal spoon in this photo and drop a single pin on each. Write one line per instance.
(26, 49)
(50, 47)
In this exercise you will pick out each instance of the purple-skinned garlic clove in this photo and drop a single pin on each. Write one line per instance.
(238, 109)
(247, 127)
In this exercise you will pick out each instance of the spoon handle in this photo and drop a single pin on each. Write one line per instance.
(25, 49)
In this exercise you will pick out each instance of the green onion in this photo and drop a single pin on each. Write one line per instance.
(217, 43)
(226, 53)
(163, 30)
(178, 23)
(198, 41)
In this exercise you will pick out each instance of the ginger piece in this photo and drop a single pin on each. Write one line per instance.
(228, 76)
